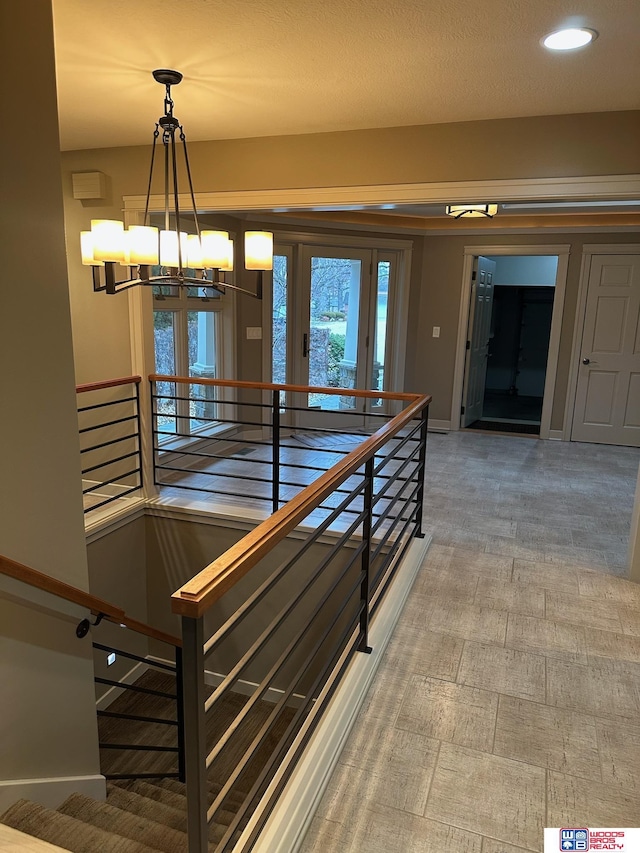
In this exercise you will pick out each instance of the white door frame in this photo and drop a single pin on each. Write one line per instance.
(470, 252)
(588, 250)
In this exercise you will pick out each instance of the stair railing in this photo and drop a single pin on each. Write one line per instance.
(292, 633)
(109, 429)
(104, 611)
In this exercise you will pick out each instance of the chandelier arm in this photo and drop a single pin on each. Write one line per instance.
(156, 134)
(183, 139)
(165, 142)
(175, 196)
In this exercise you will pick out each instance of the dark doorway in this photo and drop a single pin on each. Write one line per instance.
(518, 351)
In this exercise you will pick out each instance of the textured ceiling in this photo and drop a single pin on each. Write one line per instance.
(272, 67)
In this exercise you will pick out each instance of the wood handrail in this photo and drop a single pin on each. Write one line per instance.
(197, 595)
(108, 383)
(84, 599)
(271, 386)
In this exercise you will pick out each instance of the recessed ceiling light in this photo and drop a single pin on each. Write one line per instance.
(569, 39)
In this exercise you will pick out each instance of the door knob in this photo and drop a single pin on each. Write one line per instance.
(588, 361)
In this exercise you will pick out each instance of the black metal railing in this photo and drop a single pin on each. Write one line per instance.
(109, 427)
(262, 460)
(161, 738)
(300, 616)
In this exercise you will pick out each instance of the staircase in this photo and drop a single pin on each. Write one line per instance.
(147, 815)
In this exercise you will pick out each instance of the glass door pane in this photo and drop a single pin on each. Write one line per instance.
(201, 341)
(280, 326)
(332, 341)
(164, 337)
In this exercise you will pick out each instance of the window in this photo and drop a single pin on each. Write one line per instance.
(189, 329)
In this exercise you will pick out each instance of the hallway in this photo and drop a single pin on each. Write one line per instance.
(509, 697)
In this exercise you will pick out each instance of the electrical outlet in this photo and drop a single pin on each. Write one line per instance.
(111, 658)
(254, 333)
(436, 331)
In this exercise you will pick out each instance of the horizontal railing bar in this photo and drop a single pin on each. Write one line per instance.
(271, 386)
(108, 424)
(197, 595)
(215, 474)
(292, 728)
(394, 552)
(214, 491)
(225, 458)
(408, 520)
(378, 589)
(218, 401)
(108, 383)
(82, 409)
(247, 606)
(138, 747)
(395, 519)
(136, 688)
(110, 462)
(284, 658)
(138, 717)
(232, 440)
(191, 417)
(393, 453)
(314, 410)
(128, 437)
(259, 643)
(116, 776)
(131, 656)
(110, 481)
(390, 481)
(112, 498)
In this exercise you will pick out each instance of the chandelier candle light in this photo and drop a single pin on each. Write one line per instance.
(169, 256)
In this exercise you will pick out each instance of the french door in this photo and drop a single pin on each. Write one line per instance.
(332, 309)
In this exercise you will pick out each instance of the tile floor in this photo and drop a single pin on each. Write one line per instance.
(509, 697)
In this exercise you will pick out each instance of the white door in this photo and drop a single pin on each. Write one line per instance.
(607, 406)
(478, 340)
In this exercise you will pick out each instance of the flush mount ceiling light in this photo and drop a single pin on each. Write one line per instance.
(569, 39)
(169, 256)
(488, 211)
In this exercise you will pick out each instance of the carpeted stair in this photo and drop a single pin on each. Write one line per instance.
(145, 815)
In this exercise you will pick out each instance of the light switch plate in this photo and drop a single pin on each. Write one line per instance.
(254, 333)
(436, 331)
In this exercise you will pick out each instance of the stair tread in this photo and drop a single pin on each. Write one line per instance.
(134, 826)
(67, 832)
(130, 800)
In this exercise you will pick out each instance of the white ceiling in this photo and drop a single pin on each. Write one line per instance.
(272, 67)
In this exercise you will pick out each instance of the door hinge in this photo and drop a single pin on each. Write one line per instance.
(468, 344)
(367, 342)
(462, 410)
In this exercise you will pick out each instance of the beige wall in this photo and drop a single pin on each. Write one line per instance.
(548, 146)
(430, 366)
(47, 716)
(117, 573)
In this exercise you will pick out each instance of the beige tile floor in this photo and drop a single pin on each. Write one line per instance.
(509, 697)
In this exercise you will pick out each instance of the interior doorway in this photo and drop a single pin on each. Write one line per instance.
(510, 325)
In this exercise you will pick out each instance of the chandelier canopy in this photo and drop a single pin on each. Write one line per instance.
(169, 256)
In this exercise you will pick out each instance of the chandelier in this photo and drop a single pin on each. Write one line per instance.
(169, 256)
(468, 210)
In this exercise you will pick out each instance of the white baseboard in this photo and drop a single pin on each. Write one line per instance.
(286, 827)
(556, 435)
(435, 424)
(51, 792)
